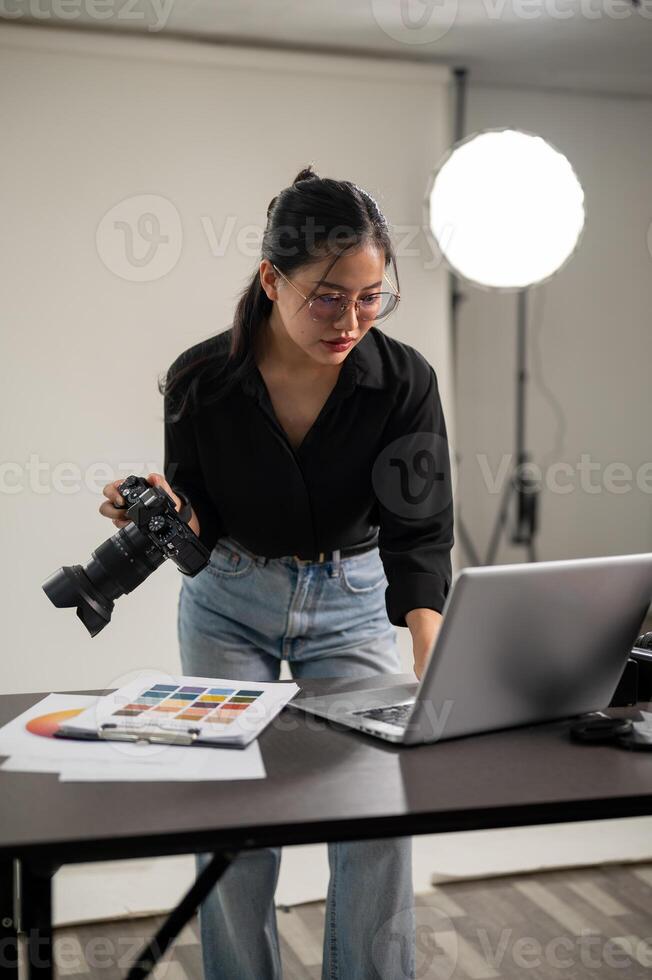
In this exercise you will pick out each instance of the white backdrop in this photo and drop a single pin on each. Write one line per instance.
(100, 131)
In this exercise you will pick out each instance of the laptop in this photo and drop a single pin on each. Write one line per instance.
(518, 644)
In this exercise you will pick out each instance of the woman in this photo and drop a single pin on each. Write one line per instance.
(274, 438)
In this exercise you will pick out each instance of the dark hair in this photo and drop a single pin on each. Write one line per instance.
(313, 218)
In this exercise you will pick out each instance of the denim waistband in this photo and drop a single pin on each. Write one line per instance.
(335, 555)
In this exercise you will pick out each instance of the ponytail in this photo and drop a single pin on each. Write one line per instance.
(304, 223)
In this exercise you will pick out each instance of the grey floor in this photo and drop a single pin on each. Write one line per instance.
(588, 924)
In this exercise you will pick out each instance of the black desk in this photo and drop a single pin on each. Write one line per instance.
(323, 783)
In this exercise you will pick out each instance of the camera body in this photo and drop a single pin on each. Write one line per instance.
(153, 512)
(125, 560)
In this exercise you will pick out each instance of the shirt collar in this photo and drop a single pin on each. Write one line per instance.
(363, 367)
(370, 371)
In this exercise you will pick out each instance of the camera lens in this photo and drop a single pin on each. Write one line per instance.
(117, 566)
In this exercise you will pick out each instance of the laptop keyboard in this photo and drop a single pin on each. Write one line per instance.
(393, 714)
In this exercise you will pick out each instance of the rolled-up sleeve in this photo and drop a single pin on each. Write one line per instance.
(182, 470)
(413, 490)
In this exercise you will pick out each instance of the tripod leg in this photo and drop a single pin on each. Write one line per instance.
(467, 544)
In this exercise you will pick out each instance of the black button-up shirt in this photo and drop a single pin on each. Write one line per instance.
(375, 461)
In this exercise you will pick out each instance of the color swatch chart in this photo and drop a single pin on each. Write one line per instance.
(171, 703)
(215, 710)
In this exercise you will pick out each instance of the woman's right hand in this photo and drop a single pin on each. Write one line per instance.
(116, 514)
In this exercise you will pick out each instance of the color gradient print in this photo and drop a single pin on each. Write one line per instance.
(167, 702)
(47, 725)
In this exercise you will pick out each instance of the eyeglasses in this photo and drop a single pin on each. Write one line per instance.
(329, 307)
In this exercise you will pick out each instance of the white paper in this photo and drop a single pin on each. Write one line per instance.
(99, 761)
(198, 764)
(28, 763)
(218, 763)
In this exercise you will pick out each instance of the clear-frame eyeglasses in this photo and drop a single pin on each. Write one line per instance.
(329, 307)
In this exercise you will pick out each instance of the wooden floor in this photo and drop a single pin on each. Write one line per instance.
(592, 924)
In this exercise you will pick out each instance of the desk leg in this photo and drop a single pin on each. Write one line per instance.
(8, 924)
(35, 890)
(182, 914)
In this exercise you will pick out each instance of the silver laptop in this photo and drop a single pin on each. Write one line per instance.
(518, 644)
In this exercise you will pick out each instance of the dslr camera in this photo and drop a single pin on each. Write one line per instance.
(126, 559)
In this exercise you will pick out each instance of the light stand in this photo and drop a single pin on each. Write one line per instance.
(519, 483)
(507, 212)
(456, 297)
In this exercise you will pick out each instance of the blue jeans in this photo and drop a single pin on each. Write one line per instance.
(239, 617)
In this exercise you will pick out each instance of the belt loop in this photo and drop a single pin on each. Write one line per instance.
(238, 547)
(335, 570)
